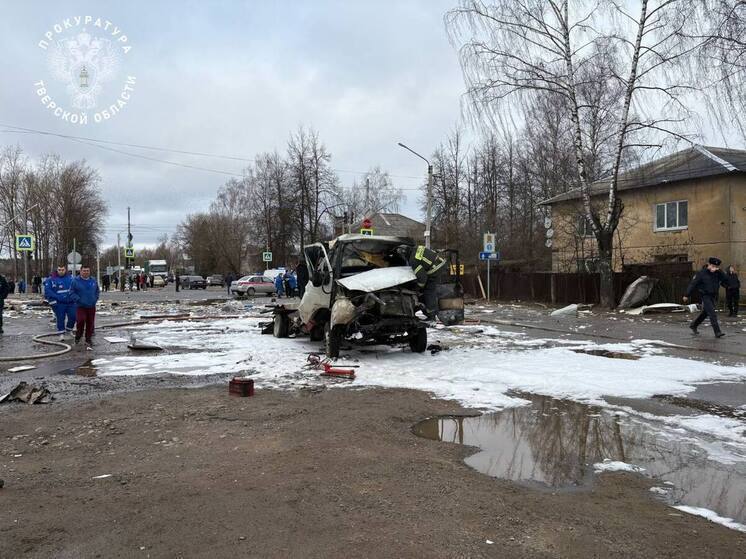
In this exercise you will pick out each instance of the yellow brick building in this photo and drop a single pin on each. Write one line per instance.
(681, 208)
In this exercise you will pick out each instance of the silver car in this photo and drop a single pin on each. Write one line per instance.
(251, 285)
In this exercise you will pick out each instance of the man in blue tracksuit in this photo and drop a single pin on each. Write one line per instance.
(57, 292)
(84, 291)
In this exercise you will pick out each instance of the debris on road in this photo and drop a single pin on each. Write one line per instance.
(570, 310)
(637, 292)
(315, 362)
(659, 308)
(241, 386)
(28, 394)
(134, 343)
(21, 368)
(115, 339)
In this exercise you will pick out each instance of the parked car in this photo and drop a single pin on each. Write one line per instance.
(193, 282)
(158, 281)
(215, 279)
(251, 285)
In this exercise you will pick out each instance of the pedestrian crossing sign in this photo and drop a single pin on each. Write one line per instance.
(25, 243)
(129, 252)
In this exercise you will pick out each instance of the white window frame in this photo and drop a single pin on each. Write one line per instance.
(665, 214)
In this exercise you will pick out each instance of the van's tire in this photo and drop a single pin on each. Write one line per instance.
(418, 340)
(332, 340)
(250, 291)
(280, 327)
(317, 333)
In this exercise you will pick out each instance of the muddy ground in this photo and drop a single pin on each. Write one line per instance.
(311, 473)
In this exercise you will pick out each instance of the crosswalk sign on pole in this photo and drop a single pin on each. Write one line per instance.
(25, 243)
(267, 256)
(129, 252)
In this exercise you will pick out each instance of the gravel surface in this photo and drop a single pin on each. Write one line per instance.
(322, 473)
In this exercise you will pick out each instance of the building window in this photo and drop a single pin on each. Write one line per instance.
(584, 227)
(672, 216)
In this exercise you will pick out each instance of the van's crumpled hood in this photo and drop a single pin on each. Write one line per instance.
(380, 278)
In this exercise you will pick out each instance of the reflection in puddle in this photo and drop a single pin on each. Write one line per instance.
(84, 370)
(554, 443)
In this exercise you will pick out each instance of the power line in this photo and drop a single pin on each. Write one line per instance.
(96, 141)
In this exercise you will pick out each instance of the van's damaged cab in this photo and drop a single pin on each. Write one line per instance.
(362, 290)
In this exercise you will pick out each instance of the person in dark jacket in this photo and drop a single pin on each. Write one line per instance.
(301, 275)
(707, 282)
(84, 291)
(4, 291)
(732, 291)
(57, 292)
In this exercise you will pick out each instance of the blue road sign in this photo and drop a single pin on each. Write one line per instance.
(489, 256)
(25, 242)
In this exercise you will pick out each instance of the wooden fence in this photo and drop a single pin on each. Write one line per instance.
(567, 288)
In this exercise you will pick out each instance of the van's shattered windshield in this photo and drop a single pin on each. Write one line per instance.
(361, 256)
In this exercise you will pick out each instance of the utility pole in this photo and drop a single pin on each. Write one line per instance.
(129, 237)
(428, 218)
(25, 254)
(367, 196)
(119, 262)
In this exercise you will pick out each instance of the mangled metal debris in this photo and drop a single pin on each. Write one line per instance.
(136, 344)
(637, 292)
(28, 394)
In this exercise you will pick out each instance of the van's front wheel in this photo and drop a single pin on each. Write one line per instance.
(418, 340)
(332, 340)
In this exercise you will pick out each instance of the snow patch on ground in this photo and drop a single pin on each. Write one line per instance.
(482, 366)
(616, 466)
(713, 517)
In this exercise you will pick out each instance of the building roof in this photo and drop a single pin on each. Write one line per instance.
(694, 162)
(395, 225)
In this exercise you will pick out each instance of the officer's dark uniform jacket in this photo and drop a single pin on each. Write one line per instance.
(707, 283)
(425, 262)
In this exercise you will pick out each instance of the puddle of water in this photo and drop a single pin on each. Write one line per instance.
(84, 370)
(554, 444)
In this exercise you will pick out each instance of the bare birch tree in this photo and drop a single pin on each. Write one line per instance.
(512, 50)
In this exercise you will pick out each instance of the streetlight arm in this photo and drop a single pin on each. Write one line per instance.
(414, 152)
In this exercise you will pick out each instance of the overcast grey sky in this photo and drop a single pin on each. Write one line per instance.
(236, 78)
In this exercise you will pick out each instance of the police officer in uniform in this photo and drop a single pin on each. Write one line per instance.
(427, 266)
(707, 282)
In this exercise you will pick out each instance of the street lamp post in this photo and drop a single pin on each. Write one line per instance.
(428, 217)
